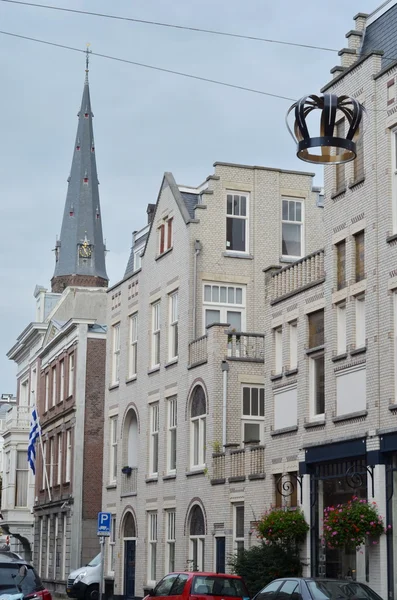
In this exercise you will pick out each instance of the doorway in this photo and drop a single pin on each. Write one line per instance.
(129, 569)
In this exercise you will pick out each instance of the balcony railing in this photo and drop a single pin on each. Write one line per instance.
(238, 464)
(198, 351)
(18, 417)
(129, 483)
(237, 458)
(218, 466)
(246, 346)
(306, 271)
(257, 460)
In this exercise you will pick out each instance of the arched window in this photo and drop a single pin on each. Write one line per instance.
(132, 448)
(196, 538)
(197, 428)
(129, 530)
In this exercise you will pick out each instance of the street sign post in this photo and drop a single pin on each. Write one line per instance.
(103, 530)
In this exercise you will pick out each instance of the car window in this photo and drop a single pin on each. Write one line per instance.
(289, 588)
(179, 585)
(19, 578)
(269, 591)
(164, 586)
(327, 590)
(95, 561)
(211, 585)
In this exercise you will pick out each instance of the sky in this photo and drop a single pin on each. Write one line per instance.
(146, 121)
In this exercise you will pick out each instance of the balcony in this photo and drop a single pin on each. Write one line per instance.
(300, 275)
(229, 344)
(246, 346)
(18, 418)
(198, 351)
(238, 464)
(129, 483)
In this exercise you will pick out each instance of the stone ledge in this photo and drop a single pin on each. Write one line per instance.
(350, 416)
(311, 424)
(236, 478)
(339, 357)
(292, 429)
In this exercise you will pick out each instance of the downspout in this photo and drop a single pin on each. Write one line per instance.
(197, 249)
(225, 369)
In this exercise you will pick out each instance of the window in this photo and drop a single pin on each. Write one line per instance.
(41, 529)
(292, 227)
(360, 321)
(196, 539)
(68, 465)
(113, 449)
(173, 328)
(154, 440)
(33, 384)
(394, 178)
(112, 546)
(152, 572)
(316, 328)
(278, 350)
(359, 246)
(169, 233)
(239, 527)
(237, 222)
(47, 570)
(133, 357)
(156, 334)
(165, 235)
(171, 439)
(24, 393)
(64, 539)
(71, 375)
(293, 345)
(62, 382)
(277, 490)
(341, 265)
(341, 328)
(317, 391)
(138, 259)
(197, 427)
(51, 462)
(116, 354)
(44, 464)
(391, 91)
(253, 414)
(56, 534)
(47, 391)
(59, 459)
(340, 169)
(224, 304)
(54, 386)
(170, 539)
(358, 163)
(21, 481)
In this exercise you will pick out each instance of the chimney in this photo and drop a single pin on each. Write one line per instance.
(150, 212)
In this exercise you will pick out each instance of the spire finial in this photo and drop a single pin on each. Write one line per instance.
(87, 60)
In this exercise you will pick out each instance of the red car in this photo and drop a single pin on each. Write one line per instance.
(200, 586)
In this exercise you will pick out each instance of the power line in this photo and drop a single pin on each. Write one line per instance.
(172, 26)
(138, 64)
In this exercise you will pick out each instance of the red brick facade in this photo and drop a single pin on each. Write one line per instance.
(59, 284)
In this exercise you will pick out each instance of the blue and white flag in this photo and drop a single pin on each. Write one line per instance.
(33, 435)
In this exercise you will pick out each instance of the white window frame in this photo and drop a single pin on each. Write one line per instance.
(48, 545)
(312, 389)
(62, 380)
(59, 463)
(51, 478)
(170, 541)
(288, 222)
(71, 375)
(198, 542)
(18, 483)
(64, 540)
(198, 432)
(44, 465)
(278, 350)
(54, 386)
(224, 307)
(68, 465)
(172, 417)
(238, 541)
(245, 217)
(293, 345)
(341, 334)
(24, 393)
(56, 534)
(133, 349)
(47, 391)
(113, 424)
(154, 439)
(360, 329)
(394, 178)
(112, 546)
(116, 346)
(138, 258)
(252, 419)
(173, 326)
(41, 528)
(156, 333)
(33, 385)
(152, 547)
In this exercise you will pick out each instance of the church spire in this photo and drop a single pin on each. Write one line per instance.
(80, 251)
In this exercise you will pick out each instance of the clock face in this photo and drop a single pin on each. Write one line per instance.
(85, 250)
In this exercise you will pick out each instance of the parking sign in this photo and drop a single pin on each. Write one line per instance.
(104, 524)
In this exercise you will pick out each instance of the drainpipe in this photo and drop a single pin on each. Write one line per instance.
(225, 369)
(197, 249)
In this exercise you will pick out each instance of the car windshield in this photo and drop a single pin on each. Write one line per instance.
(19, 579)
(335, 590)
(211, 585)
(95, 561)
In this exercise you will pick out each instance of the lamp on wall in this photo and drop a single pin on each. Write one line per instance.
(329, 147)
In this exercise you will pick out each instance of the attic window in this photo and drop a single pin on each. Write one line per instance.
(165, 235)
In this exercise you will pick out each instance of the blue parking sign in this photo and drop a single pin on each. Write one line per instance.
(104, 524)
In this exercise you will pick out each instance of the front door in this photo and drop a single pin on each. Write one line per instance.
(129, 569)
(220, 555)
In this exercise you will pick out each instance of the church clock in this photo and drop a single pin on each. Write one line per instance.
(85, 250)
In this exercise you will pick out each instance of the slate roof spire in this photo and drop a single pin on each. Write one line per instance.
(80, 251)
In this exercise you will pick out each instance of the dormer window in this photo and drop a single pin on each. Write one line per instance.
(165, 235)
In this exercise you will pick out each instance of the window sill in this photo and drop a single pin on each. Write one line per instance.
(357, 182)
(284, 430)
(169, 477)
(131, 379)
(154, 370)
(232, 254)
(276, 377)
(172, 362)
(196, 472)
(311, 424)
(164, 253)
(289, 259)
(338, 193)
(218, 481)
(111, 486)
(316, 349)
(391, 238)
(350, 416)
(291, 372)
(256, 476)
(339, 357)
(360, 350)
(114, 386)
(236, 478)
(152, 479)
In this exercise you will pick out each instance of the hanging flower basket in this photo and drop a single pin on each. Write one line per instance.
(283, 527)
(126, 470)
(352, 524)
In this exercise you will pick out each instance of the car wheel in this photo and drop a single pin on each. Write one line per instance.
(92, 592)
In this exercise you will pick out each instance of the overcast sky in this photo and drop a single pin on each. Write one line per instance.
(146, 122)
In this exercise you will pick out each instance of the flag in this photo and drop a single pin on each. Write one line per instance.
(33, 435)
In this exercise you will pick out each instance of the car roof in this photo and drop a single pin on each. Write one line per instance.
(206, 574)
(11, 557)
(322, 579)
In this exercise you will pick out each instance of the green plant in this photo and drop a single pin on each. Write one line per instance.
(351, 524)
(283, 527)
(216, 446)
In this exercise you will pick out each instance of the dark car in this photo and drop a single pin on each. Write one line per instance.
(200, 586)
(19, 579)
(301, 588)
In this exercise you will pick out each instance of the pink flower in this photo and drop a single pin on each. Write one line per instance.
(374, 543)
(334, 533)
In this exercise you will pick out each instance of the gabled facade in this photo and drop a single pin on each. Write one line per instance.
(184, 459)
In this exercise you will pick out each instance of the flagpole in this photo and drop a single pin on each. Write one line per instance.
(42, 452)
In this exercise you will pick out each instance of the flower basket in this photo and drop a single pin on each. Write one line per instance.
(283, 527)
(126, 470)
(352, 524)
